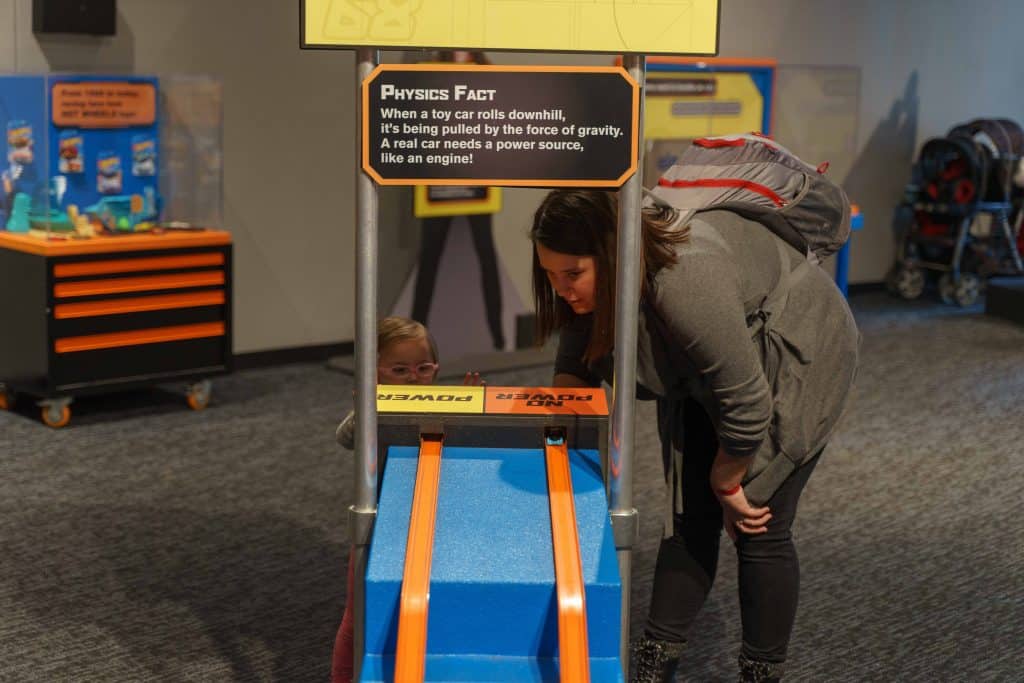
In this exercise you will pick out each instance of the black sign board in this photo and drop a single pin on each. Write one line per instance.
(443, 124)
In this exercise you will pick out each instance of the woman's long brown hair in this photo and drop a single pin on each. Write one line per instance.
(584, 223)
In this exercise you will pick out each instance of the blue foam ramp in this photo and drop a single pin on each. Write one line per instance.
(493, 607)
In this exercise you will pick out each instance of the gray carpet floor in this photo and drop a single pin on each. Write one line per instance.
(147, 542)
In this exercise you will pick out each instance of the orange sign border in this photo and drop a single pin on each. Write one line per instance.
(521, 182)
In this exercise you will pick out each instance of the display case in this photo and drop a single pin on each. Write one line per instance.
(115, 270)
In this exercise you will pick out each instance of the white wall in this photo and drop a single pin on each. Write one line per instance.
(289, 117)
(7, 51)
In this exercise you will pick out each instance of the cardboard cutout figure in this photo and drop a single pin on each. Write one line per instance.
(439, 206)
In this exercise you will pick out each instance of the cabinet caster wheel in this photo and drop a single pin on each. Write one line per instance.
(198, 395)
(56, 415)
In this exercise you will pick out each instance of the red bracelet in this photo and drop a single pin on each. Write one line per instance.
(729, 492)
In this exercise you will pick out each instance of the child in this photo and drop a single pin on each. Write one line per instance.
(406, 354)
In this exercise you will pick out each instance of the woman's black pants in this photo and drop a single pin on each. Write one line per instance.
(769, 572)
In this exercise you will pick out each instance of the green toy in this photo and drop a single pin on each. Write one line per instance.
(18, 220)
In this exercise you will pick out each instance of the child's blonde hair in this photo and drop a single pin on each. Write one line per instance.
(396, 329)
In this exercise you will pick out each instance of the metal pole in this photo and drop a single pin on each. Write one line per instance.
(363, 512)
(627, 306)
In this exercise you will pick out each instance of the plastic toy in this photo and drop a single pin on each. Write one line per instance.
(19, 220)
(53, 221)
(122, 213)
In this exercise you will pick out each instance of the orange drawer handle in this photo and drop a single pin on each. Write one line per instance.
(155, 335)
(573, 650)
(136, 264)
(63, 290)
(411, 649)
(90, 309)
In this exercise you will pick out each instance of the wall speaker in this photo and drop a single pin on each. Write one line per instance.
(93, 17)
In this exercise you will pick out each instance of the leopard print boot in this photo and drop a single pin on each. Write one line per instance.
(655, 661)
(754, 671)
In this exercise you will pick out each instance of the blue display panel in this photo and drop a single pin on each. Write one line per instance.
(80, 154)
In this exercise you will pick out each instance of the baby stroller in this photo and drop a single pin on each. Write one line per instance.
(964, 209)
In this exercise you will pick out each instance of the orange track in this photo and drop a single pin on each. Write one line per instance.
(573, 652)
(411, 650)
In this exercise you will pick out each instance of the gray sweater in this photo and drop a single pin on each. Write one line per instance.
(774, 385)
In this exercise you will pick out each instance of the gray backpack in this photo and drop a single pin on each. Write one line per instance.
(761, 180)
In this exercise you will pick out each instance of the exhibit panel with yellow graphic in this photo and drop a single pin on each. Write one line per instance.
(679, 27)
(430, 201)
(689, 98)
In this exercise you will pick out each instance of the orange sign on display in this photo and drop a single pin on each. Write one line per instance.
(545, 401)
(98, 104)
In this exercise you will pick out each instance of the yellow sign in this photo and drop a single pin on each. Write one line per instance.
(417, 398)
(430, 201)
(678, 27)
(733, 105)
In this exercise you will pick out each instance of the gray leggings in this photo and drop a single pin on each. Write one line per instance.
(769, 572)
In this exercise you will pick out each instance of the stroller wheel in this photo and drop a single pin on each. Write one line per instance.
(946, 288)
(967, 289)
(908, 281)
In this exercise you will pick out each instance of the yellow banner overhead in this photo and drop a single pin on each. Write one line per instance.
(677, 27)
(418, 398)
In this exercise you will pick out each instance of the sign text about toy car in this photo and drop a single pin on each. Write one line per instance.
(500, 127)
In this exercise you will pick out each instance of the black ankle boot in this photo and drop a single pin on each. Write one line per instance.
(754, 671)
(654, 661)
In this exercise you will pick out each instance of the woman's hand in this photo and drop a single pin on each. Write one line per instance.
(473, 379)
(739, 516)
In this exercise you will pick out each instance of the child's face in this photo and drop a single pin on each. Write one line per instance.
(406, 362)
